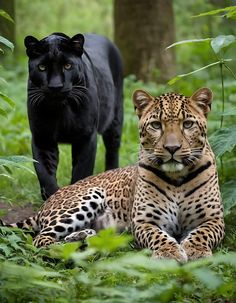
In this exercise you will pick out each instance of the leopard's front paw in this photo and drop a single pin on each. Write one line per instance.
(171, 252)
(80, 235)
(194, 250)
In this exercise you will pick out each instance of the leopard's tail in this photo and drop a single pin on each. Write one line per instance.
(31, 224)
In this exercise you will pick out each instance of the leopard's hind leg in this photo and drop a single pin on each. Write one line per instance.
(44, 240)
(74, 223)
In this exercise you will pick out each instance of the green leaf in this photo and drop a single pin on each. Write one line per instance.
(227, 10)
(6, 15)
(222, 43)
(7, 100)
(5, 249)
(64, 251)
(223, 140)
(231, 14)
(6, 43)
(228, 192)
(189, 41)
(2, 80)
(178, 77)
(16, 161)
(207, 277)
(107, 240)
(7, 169)
(3, 112)
(6, 176)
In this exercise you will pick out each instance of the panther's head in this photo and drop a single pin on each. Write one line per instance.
(173, 128)
(55, 68)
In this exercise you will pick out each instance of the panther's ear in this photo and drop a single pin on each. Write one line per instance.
(203, 99)
(32, 46)
(77, 43)
(141, 99)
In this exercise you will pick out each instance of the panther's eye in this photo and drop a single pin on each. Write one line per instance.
(188, 124)
(67, 66)
(156, 124)
(41, 67)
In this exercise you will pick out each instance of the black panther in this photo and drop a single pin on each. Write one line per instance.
(75, 89)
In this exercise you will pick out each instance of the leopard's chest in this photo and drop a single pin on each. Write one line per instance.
(168, 207)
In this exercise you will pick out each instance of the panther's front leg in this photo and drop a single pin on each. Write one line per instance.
(83, 157)
(200, 241)
(46, 166)
(150, 236)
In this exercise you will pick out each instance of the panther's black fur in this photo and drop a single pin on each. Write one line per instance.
(74, 90)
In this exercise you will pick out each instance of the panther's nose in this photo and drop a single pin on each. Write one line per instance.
(55, 83)
(55, 86)
(172, 148)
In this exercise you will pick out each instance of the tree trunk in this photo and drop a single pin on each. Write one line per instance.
(7, 28)
(143, 29)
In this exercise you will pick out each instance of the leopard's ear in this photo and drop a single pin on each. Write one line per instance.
(32, 46)
(77, 43)
(203, 99)
(141, 99)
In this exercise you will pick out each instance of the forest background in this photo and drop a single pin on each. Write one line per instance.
(110, 270)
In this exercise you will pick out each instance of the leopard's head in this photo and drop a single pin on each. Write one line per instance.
(172, 128)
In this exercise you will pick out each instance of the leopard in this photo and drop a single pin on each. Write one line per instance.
(169, 200)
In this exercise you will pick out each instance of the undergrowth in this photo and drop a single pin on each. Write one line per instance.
(108, 270)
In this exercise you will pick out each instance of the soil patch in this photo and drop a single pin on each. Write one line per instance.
(16, 213)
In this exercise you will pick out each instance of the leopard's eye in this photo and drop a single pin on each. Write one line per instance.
(41, 67)
(156, 124)
(188, 124)
(67, 66)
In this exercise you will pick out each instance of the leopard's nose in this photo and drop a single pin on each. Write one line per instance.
(172, 148)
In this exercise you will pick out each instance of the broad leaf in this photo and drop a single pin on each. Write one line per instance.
(230, 10)
(222, 43)
(231, 14)
(178, 77)
(223, 140)
(3, 112)
(189, 41)
(7, 99)
(16, 161)
(228, 191)
(6, 15)
(207, 277)
(2, 80)
(6, 176)
(6, 43)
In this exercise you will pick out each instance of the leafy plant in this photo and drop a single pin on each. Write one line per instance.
(16, 161)
(223, 140)
(106, 272)
(7, 43)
